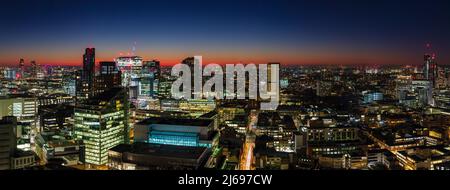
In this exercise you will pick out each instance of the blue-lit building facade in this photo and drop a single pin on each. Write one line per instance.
(175, 131)
(370, 97)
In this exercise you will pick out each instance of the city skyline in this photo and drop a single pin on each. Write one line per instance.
(290, 32)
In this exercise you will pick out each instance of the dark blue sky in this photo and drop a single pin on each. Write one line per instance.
(292, 32)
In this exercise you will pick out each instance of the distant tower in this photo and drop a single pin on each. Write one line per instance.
(21, 63)
(151, 72)
(190, 61)
(34, 69)
(89, 65)
(86, 82)
(430, 67)
(21, 67)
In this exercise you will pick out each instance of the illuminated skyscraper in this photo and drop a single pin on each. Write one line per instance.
(102, 123)
(130, 68)
(150, 78)
(430, 70)
(34, 69)
(10, 74)
(24, 108)
(149, 84)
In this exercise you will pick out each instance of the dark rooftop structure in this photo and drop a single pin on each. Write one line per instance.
(104, 96)
(161, 150)
(176, 121)
(158, 156)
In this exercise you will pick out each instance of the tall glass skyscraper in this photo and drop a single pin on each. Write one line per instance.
(430, 70)
(150, 78)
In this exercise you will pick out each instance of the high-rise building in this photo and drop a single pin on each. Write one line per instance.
(190, 61)
(165, 86)
(89, 65)
(418, 94)
(149, 83)
(109, 77)
(69, 84)
(86, 81)
(130, 68)
(21, 63)
(21, 68)
(7, 141)
(101, 123)
(55, 117)
(34, 69)
(108, 68)
(430, 70)
(10, 74)
(25, 109)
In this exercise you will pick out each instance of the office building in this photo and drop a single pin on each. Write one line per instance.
(109, 77)
(280, 128)
(102, 123)
(130, 68)
(7, 141)
(21, 68)
(176, 131)
(370, 97)
(150, 77)
(430, 70)
(423, 157)
(24, 108)
(22, 159)
(10, 74)
(85, 83)
(55, 117)
(145, 156)
(51, 145)
(69, 85)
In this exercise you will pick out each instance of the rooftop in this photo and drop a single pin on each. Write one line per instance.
(160, 150)
(105, 96)
(176, 121)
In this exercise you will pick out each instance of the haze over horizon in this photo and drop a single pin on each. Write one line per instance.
(291, 32)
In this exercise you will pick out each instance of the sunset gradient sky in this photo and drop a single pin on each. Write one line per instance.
(287, 31)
